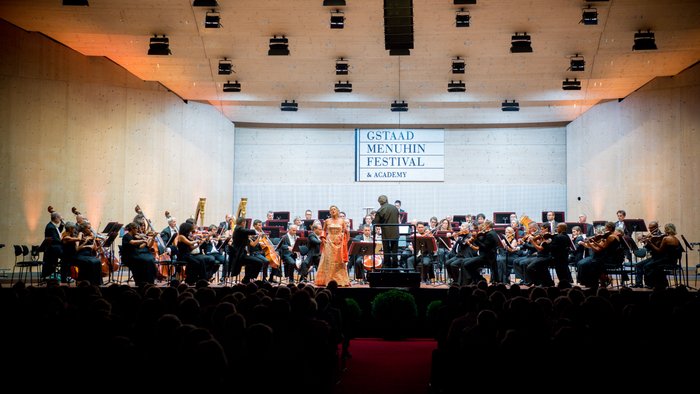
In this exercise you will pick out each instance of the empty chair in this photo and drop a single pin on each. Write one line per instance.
(25, 264)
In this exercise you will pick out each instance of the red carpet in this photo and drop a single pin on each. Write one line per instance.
(379, 366)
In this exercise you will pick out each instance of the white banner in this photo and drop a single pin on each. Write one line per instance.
(400, 155)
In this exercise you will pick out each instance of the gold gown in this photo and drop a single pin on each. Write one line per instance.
(333, 255)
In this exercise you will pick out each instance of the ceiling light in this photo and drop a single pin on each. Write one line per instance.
(289, 106)
(341, 67)
(458, 2)
(337, 19)
(520, 43)
(225, 67)
(510, 106)
(212, 20)
(589, 16)
(399, 106)
(205, 3)
(343, 87)
(278, 46)
(159, 46)
(644, 41)
(458, 66)
(574, 84)
(334, 3)
(577, 63)
(76, 2)
(462, 18)
(456, 87)
(232, 86)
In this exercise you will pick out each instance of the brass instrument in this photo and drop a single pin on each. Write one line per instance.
(199, 212)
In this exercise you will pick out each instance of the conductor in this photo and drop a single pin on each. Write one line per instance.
(388, 214)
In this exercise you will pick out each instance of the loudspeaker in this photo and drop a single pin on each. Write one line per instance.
(398, 26)
(393, 279)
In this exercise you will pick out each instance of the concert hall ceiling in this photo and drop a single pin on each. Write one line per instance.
(121, 29)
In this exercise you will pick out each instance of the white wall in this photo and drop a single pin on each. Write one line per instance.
(640, 155)
(486, 170)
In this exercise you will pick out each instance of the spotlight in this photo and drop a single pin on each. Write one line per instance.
(590, 16)
(159, 46)
(337, 19)
(76, 2)
(520, 43)
(571, 85)
(397, 106)
(232, 86)
(287, 106)
(278, 46)
(343, 87)
(334, 3)
(644, 41)
(212, 20)
(577, 63)
(462, 18)
(456, 87)
(458, 2)
(458, 66)
(512, 106)
(205, 3)
(341, 67)
(225, 67)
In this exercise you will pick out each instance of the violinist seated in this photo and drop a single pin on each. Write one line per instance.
(605, 247)
(169, 235)
(651, 270)
(212, 246)
(421, 260)
(461, 250)
(136, 254)
(198, 265)
(86, 256)
(577, 239)
(359, 260)
(289, 257)
(527, 253)
(487, 240)
(313, 253)
(69, 243)
(537, 269)
(507, 252)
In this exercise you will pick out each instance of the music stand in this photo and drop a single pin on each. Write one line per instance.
(112, 229)
(635, 225)
(359, 248)
(688, 247)
(308, 223)
(459, 218)
(570, 226)
(298, 244)
(277, 223)
(403, 217)
(324, 214)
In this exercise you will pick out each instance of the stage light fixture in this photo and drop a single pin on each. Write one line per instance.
(456, 87)
(520, 43)
(341, 67)
(459, 2)
(337, 19)
(159, 46)
(334, 3)
(577, 63)
(232, 87)
(568, 84)
(279, 46)
(225, 67)
(205, 3)
(458, 65)
(462, 18)
(289, 106)
(589, 16)
(644, 41)
(83, 3)
(399, 106)
(212, 20)
(343, 87)
(511, 106)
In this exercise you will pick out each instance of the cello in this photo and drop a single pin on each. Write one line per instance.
(270, 253)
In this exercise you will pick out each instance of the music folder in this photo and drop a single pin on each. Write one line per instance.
(361, 248)
(300, 246)
(634, 225)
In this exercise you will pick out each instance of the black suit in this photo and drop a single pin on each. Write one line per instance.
(488, 246)
(239, 255)
(389, 214)
(52, 252)
(168, 236)
(288, 257)
(312, 256)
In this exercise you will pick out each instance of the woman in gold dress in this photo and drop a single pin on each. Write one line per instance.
(334, 251)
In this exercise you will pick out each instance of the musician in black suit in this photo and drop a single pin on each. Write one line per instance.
(579, 250)
(285, 250)
(587, 228)
(168, 235)
(559, 248)
(212, 247)
(551, 223)
(459, 252)
(358, 260)
(53, 248)
(239, 253)
(487, 240)
(313, 255)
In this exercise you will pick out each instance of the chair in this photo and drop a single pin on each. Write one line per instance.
(26, 266)
(615, 267)
(675, 271)
(129, 276)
